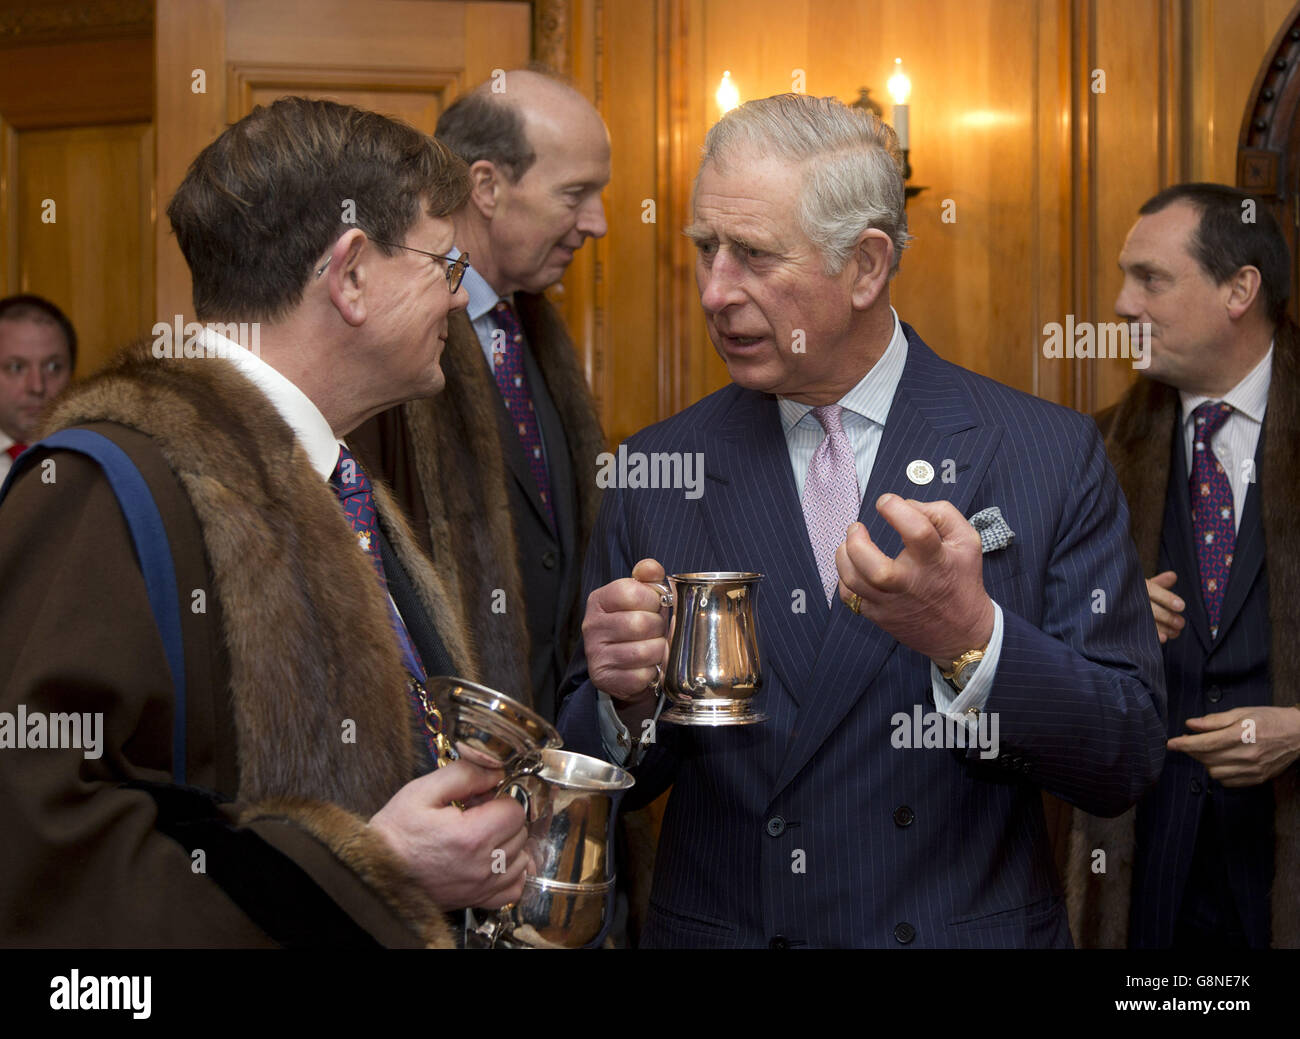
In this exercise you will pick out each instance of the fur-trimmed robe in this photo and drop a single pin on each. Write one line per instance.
(302, 632)
(444, 458)
(1138, 434)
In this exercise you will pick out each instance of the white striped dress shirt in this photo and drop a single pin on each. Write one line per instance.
(1234, 442)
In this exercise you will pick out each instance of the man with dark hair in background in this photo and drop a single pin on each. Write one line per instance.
(279, 787)
(1205, 447)
(38, 350)
(498, 476)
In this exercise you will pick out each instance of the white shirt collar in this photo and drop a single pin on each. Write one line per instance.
(482, 296)
(1249, 397)
(873, 395)
(294, 406)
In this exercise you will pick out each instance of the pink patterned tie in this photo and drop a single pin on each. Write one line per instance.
(830, 495)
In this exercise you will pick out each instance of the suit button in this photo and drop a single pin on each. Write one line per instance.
(1196, 786)
(1214, 694)
(548, 559)
(903, 816)
(779, 942)
(776, 827)
(904, 933)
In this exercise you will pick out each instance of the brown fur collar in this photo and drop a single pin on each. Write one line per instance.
(1138, 434)
(305, 623)
(458, 455)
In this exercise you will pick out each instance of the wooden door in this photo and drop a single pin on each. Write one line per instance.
(216, 59)
(76, 157)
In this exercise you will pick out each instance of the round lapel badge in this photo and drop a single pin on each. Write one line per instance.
(920, 472)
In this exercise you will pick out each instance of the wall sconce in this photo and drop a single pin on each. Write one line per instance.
(728, 97)
(900, 89)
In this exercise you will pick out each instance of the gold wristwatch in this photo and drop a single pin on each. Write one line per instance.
(962, 668)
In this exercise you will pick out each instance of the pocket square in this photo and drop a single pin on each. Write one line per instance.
(994, 532)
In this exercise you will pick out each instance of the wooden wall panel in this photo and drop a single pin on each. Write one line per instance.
(1127, 168)
(378, 33)
(94, 260)
(189, 35)
(78, 82)
(625, 380)
(76, 88)
(497, 36)
(1228, 41)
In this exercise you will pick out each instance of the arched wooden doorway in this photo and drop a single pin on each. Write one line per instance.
(1268, 147)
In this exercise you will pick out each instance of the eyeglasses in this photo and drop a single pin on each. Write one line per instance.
(456, 268)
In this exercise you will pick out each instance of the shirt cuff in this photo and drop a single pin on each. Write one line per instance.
(614, 735)
(969, 703)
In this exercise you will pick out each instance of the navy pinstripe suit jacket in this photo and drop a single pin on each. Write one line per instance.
(811, 828)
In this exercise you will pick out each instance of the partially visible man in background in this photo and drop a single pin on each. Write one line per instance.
(38, 349)
(1205, 450)
(499, 476)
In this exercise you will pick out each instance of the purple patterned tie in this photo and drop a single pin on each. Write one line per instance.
(1213, 529)
(508, 367)
(352, 485)
(830, 495)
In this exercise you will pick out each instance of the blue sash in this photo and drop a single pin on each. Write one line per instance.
(152, 549)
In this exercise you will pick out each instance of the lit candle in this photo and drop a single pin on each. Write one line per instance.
(728, 96)
(900, 89)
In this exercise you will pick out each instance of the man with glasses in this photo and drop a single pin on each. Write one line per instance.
(274, 781)
(498, 475)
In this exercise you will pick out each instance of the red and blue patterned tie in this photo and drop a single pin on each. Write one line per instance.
(352, 485)
(1213, 528)
(508, 368)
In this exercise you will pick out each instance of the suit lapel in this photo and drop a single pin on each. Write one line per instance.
(930, 419)
(750, 503)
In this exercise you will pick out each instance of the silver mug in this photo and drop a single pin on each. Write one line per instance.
(569, 889)
(713, 668)
(471, 721)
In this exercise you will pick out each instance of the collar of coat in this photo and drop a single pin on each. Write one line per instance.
(306, 624)
(1139, 441)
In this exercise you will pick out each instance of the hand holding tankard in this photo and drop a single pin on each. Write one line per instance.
(625, 632)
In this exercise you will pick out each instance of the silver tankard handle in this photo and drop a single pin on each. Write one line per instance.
(667, 600)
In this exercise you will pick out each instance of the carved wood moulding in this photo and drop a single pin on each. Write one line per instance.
(1265, 137)
(314, 80)
(551, 35)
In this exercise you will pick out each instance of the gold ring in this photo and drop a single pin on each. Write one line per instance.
(854, 603)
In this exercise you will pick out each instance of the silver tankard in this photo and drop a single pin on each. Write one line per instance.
(569, 890)
(713, 667)
(479, 724)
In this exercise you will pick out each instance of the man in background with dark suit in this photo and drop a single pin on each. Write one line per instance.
(836, 822)
(1205, 447)
(499, 477)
